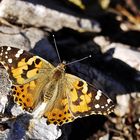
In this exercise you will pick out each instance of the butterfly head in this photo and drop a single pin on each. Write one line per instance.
(62, 66)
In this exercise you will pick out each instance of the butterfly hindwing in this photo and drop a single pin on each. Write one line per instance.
(59, 112)
(29, 95)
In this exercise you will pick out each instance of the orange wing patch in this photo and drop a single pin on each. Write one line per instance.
(59, 114)
(22, 97)
(26, 70)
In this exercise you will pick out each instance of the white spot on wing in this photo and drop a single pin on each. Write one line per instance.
(108, 109)
(9, 48)
(102, 107)
(97, 106)
(99, 94)
(97, 97)
(106, 105)
(108, 101)
(19, 53)
(6, 52)
(10, 60)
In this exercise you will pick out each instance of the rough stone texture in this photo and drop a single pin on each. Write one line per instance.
(119, 51)
(20, 38)
(5, 86)
(34, 35)
(40, 16)
(49, 132)
(122, 107)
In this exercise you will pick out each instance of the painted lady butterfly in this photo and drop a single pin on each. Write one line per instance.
(48, 91)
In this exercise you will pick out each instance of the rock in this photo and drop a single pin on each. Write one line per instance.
(105, 137)
(38, 129)
(37, 15)
(5, 86)
(120, 50)
(20, 38)
(122, 107)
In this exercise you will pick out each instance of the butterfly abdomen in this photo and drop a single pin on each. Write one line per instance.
(51, 88)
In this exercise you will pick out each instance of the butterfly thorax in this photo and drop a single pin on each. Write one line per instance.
(58, 71)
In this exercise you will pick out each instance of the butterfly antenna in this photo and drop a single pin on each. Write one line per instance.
(56, 49)
(79, 60)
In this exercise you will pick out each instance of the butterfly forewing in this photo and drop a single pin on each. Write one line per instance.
(84, 99)
(21, 65)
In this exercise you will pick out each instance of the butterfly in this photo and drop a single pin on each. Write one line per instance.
(45, 90)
